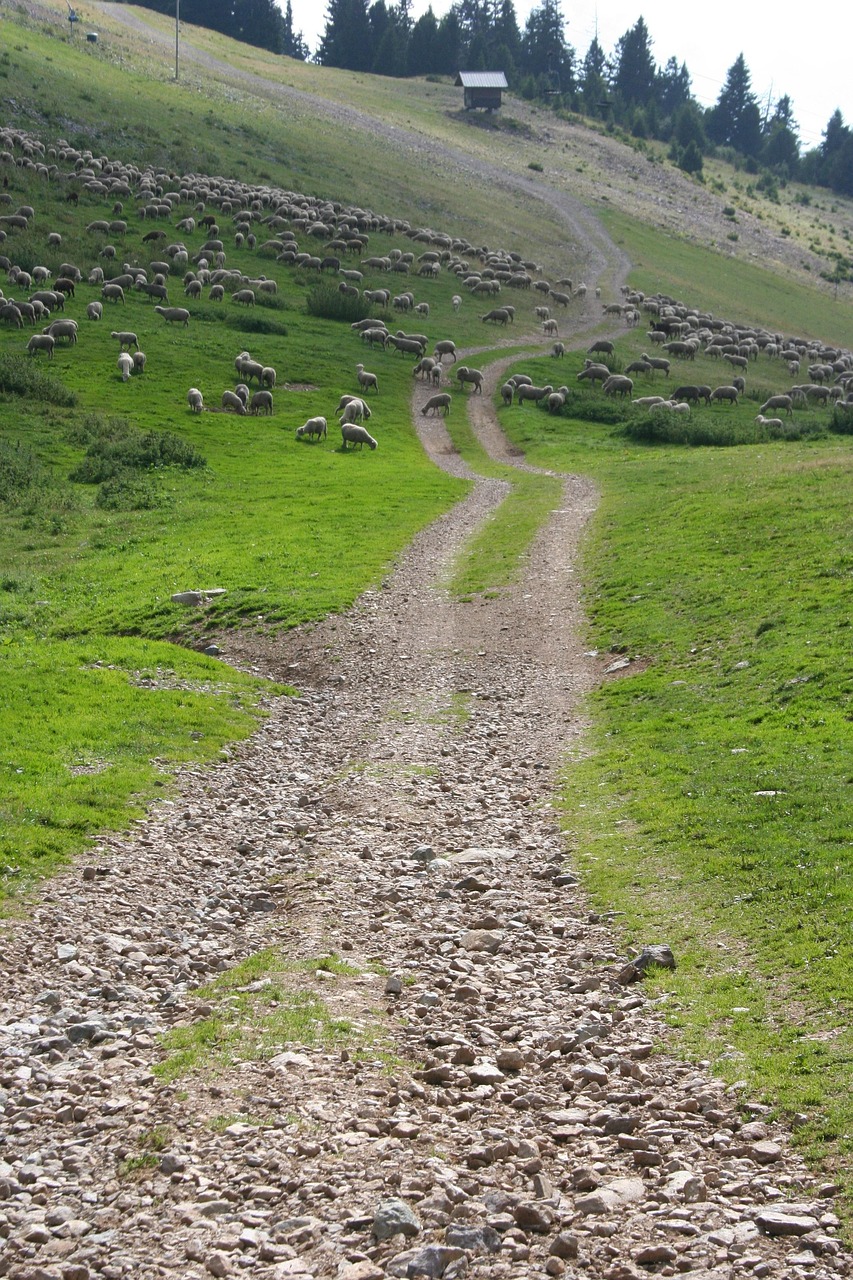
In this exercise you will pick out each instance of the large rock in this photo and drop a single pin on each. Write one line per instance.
(394, 1217)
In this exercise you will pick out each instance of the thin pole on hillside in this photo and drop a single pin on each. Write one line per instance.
(177, 33)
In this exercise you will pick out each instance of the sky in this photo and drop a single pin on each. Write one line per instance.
(708, 38)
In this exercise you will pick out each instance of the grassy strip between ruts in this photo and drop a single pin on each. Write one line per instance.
(713, 807)
(495, 556)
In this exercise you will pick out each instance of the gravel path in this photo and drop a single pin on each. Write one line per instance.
(500, 1103)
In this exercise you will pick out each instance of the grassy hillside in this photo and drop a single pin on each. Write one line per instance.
(712, 807)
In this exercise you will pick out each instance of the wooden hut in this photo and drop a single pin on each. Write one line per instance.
(482, 88)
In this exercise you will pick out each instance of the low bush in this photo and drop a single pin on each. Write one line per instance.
(114, 446)
(325, 300)
(841, 421)
(21, 376)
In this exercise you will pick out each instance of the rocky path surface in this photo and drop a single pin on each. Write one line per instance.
(474, 1091)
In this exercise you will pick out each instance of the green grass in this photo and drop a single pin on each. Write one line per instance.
(711, 804)
(257, 1012)
(729, 287)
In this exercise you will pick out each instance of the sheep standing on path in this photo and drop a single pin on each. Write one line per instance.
(442, 401)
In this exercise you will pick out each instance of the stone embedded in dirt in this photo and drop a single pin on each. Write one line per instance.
(481, 940)
(765, 1152)
(394, 1217)
(217, 1264)
(657, 955)
(473, 1239)
(66, 951)
(533, 1217)
(393, 985)
(654, 1255)
(430, 1263)
(780, 1222)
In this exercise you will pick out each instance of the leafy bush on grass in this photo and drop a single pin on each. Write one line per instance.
(20, 470)
(31, 489)
(672, 428)
(254, 323)
(115, 447)
(842, 419)
(21, 376)
(325, 300)
(128, 492)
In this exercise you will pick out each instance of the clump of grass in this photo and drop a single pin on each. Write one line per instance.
(326, 301)
(115, 447)
(21, 376)
(671, 428)
(842, 419)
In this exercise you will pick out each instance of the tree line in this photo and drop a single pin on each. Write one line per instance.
(624, 88)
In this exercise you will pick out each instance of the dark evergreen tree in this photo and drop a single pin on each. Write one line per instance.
(735, 120)
(545, 54)
(449, 53)
(673, 87)
(507, 41)
(423, 52)
(688, 126)
(346, 41)
(635, 76)
(292, 42)
(391, 57)
(781, 151)
(595, 82)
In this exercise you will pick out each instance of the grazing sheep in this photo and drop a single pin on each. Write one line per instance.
(355, 410)
(217, 293)
(94, 311)
(562, 299)
(618, 385)
(242, 391)
(174, 315)
(422, 309)
(407, 346)
(499, 315)
(474, 376)
(139, 361)
(125, 365)
(776, 423)
(10, 314)
(444, 348)
(232, 403)
(125, 339)
(507, 393)
(648, 402)
(529, 392)
(424, 367)
(63, 329)
(779, 402)
(348, 399)
(729, 395)
(195, 399)
(154, 290)
(557, 399)
(367, 381)
(246, 296)
(314, 427)
(442, 401)
(656, 362)
(594, 373)
(354, 434)
(268, 376)
(639, 366)
(550, 328)
(41, 342)
(602, 347)
(542, 313)
(112, 293)
(260, 402)
(193, 289)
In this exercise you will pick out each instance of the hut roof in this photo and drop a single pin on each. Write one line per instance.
(481, 80)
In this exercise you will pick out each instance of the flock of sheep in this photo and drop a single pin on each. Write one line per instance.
(268, 221)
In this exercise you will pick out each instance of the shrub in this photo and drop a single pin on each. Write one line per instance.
(21, 376)
(114, 447)
(128, 492)
(842, 419)
(327, 301)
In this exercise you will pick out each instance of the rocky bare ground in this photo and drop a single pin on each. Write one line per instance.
(501, 1104)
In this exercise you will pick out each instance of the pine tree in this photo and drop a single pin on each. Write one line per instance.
(635, 78)
(545, 53)
(423, 54)
(449, 44)
(735, 119)
(674, 88)
(346, 41)
(595, 86)
(292, 43)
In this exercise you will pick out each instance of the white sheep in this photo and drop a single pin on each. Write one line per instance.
(777, 423)
(367, 381)
(355, 434)
(41, 342)
(94, 310)
(314, 427)
(268, 376)
(261, 402)
(125, 365)
(441, 401)
(355, 410)
(195, 399)
(233, 403)
(139, 361)
(456, 302)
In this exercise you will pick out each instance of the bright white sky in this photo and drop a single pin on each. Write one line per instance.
(774, 42)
